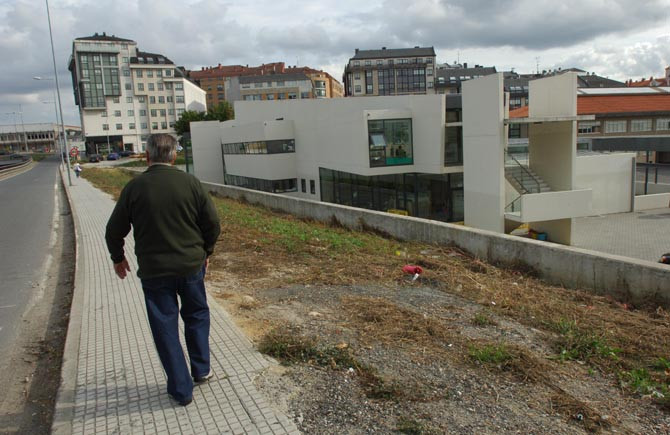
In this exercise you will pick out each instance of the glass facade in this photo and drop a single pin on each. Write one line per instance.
(453, 147)
(430, 196)
(273, 186)
(99, 77)
(260, 147)
(390, 142)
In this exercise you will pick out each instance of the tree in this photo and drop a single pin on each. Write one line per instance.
(221, 112)
(183, 124)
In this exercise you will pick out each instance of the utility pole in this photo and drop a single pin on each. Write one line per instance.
(60, 107)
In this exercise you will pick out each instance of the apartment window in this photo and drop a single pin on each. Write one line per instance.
(453, 147)
(138, 73)
(144, 125)
(150, 73)
(219, 96)
(663, 124)
(180, 112)
(312, 187)
(117, 113)
(162, 112)
(380, 62)
(151, 86)
(357, 63)
(131, 112)
(292, 96)
(168, 86)
(104, 114)
(303, 185)
(126, 72)
(368, 62)
(161, 99)
(152, 100)
(168, 73)
(429, 60)
(129, 99)
(615, 126)
(640, 125)
(270, 96)
(159, 73)
(164, 125)
(171, 112)
(304, 95)
(140, 87)
(154, 126)
(85, 73)
(179, 86)
(129, 86)
(160, 86)
(357, 89)
(357, 76)
(154, 113)
(219, 87)
(179, 99)
(169, 99)
(143, 112)
(588, 127)
(390, 142)
(116, 100)
(131, 126)
(119, 126)
(368, 89)
(105, 126)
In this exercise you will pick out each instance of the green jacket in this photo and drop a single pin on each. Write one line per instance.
(174, 222)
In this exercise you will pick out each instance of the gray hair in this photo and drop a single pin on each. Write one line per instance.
(162, 148)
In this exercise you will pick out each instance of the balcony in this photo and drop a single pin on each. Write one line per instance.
(548, 206)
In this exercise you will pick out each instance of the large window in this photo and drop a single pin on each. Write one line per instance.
(615, 126)
(390, 142)
(453, 147)
(587, 127)
(663, 124)
(640, 125)
(260, 147)
(274, 186)
(430, 196)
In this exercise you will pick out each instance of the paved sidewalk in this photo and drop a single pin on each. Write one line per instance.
(113, 381)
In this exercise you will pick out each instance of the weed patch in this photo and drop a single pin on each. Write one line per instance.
(495, 354)
(577, 344)
(481, 319)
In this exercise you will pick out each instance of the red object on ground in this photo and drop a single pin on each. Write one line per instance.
(412, 270)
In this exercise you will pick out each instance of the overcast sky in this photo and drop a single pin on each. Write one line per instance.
(619, 39)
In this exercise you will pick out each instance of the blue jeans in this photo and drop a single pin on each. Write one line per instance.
(160, 296)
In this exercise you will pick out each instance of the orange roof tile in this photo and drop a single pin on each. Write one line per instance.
(605, 104)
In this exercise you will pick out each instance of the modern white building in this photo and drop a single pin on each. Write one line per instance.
(416, 155)
(125, 94)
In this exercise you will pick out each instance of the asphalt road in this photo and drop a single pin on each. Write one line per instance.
(27, 236)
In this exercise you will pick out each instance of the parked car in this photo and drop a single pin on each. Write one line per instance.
(94, 158)
(113, 156)
(126, 153)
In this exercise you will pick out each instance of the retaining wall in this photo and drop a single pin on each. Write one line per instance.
(650, 202)
(637, 281)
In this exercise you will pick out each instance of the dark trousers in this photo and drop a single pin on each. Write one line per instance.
(160, 296)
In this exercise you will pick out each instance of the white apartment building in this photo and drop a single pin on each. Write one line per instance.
(392, 71)
(125, 94)
(416, 155)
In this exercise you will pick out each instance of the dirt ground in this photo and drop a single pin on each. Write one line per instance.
(30, 371)
(466, 348)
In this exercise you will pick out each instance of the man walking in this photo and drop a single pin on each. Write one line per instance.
(175, 226)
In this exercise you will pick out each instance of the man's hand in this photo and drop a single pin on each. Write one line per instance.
(121, 268)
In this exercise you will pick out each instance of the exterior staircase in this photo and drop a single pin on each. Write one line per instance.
(525, 180)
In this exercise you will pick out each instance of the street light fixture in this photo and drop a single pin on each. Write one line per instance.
(60, 143)
(60, 106)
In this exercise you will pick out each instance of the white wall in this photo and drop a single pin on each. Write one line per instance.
(195, 98)
(207, 158)
(483, 153)
(610, 177)
(262, 166)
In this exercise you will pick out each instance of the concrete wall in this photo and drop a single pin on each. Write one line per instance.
(555, 205)
(207, 158)
(650, 202)
(636, 281)
(195, 99)
(610, 176)
(483, 153)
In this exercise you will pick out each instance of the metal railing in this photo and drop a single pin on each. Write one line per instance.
(514, 206)
(526, 180)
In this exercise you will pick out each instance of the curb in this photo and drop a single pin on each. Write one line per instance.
(64, 409)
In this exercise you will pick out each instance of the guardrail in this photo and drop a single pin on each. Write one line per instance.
(16, 167)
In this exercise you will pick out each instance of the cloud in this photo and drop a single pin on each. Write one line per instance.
(593, 34)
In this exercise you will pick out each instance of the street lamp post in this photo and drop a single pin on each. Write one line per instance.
(53, 56)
